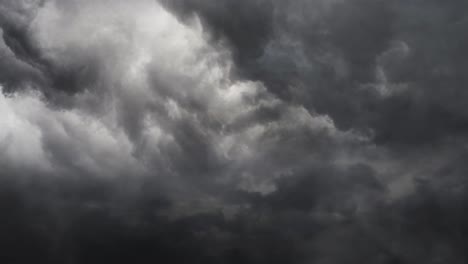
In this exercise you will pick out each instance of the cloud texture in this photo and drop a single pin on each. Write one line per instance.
(248, 131)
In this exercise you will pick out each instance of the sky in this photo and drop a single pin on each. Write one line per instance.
(233, 131)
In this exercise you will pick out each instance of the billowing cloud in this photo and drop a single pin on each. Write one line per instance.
(260, 131)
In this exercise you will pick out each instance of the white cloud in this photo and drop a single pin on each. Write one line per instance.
(153, 72)
(40, 139)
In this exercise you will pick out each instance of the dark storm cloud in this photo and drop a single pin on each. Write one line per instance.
(233, 131)
(15, 18)
(25, 64)
(322, 53)
(246, 25)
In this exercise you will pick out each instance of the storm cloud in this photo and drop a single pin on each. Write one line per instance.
(249, 131)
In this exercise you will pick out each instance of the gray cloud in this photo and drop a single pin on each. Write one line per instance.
(232, 131)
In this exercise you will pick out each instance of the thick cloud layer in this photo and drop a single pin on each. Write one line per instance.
(261, 131)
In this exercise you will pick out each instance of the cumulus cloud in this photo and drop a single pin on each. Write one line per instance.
(258, 131)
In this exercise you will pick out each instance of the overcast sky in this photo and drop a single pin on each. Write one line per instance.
(233, 131)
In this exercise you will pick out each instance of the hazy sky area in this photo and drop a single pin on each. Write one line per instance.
(234, 131)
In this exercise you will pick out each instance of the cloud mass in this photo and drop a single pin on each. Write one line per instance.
(260, 131)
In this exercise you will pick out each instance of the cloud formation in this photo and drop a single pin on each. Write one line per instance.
(226, 131)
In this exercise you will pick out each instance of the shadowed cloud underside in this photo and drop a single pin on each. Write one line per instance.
(248, 131)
